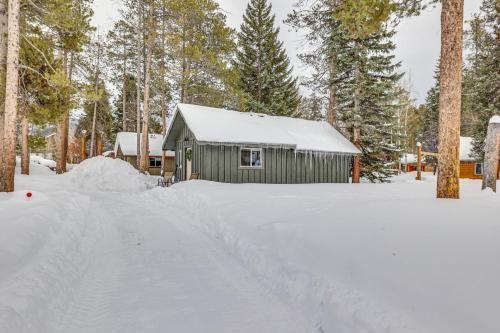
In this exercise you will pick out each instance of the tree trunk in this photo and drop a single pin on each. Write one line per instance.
(138, 84)
(144, 165)
(124, 90)
(331, 115)
(62, 130)
(163, 92)
(25, 152)
(450, 81)
(11, 94)
(356, 167)
(96, 101)
(491, 156)
(83, 157)
(3, 70)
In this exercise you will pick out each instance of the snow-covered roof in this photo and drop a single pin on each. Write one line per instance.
(127, 142)
(212, 125)
(408, 158)
(495, 120)
(465, 152)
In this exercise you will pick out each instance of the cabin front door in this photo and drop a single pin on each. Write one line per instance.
(188, 162)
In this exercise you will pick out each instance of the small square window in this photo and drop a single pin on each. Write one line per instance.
(155, 162)
(478, 169)
(251, 158)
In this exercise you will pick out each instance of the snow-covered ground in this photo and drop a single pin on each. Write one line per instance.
(101, 250)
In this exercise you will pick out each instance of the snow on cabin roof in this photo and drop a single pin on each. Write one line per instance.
(127, 141)
(408, 158)
(212, 125)
(465, 152)
(495, 120)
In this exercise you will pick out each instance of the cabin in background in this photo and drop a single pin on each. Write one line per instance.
(243, 147)
(126, 149)
(469, 166)
(409, 164)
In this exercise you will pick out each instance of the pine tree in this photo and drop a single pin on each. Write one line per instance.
(358, 77)
(312, 108)
(328, 51)
(104, 119)
(130, 121)
(265, 75)
(429, 134)
(482, 72)
(120, 59)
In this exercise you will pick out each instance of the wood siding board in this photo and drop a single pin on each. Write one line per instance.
(234, 164)
(227, 164)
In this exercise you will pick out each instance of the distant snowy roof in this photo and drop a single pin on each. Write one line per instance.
(212, 125)
(127, 141)
(409, 158)
(465, 152)
(495, 120)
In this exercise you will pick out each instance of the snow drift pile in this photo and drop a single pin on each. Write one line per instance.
(106, 174)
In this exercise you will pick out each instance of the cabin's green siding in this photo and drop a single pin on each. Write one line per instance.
(218, 162)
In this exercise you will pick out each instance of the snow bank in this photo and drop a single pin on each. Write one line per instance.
(42, 255)
(495, 120)
(43, 161)
(368, 258)
(107, 174)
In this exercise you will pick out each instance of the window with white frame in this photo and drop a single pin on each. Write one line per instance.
(251, 158)
(478, 169)
(155, 162)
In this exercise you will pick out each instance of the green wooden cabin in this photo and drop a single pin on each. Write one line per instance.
(242, 147)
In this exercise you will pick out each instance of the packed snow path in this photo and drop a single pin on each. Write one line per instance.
(98, 250)
(141, 267)
(156, 272)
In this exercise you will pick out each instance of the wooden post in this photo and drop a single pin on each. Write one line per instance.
(490, 172)
(356, 168)
(83, 149)
(100, 147)
(419, 161)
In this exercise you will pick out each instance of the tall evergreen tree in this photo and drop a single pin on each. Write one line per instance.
(265, 75)
(359, 78)
(429, 134)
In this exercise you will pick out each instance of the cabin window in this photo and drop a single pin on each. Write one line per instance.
(154, 162)
(478, 169)
(251, 158)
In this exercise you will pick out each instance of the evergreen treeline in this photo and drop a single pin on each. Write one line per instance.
(161, 52)
(480, 83)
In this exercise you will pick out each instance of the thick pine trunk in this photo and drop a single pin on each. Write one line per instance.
(94, 114)
(62, 143)
(62, 131)
(331, 115)
(450, 81)
(124, 90)
(138, 84)
(3, 69)
(144, 165)
(25, 150)
(491, 156)
(11, 94)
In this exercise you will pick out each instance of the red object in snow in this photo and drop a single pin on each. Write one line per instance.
(29, 194)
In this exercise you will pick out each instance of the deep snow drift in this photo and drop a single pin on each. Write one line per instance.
(107, 174)
(97, 250)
